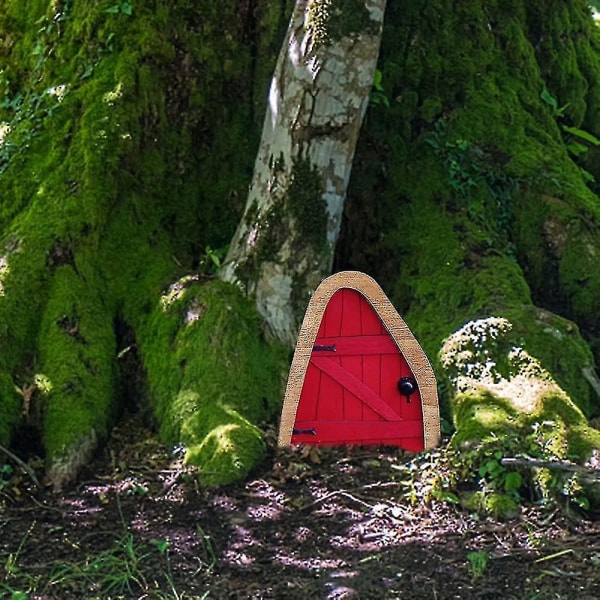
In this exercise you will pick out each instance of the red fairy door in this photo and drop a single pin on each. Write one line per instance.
(357, 387)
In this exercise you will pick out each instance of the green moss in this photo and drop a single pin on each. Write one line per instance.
(494, 504)
(210, 399)
(556, 239)
(505, 404)
(558, 345)
(272, 233)
(581, 438)
(478, 416)
(490, 354)
(500, 506)
(76, 357)
(124, 191)
(10, 408)
(223, 444)
(304, 201)
(431, 109)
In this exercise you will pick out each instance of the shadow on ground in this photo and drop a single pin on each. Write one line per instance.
(331, 524)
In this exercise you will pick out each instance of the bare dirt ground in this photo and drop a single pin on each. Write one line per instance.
(333, 524)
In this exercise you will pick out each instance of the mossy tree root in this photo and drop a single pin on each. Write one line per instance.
(76, 378)
(490, 224)
(115, 125)
(212, 377)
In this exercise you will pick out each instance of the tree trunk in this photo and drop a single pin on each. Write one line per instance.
(285, 241)
(127, 136)
(114, 129)
(470, 207)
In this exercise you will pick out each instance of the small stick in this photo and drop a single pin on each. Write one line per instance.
(551, 464)
(555, 555)
(22, 464)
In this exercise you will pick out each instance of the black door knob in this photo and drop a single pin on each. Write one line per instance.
(407, 386)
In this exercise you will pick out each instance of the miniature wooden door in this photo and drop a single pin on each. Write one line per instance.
(358, 375)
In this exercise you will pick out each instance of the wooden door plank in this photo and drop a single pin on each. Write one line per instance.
(331, 325)
(355, 386)
(358, 344)
(352, 431)
(353, 406)
(371, 322)
(372, 379)
(309, 405)
(330, 396)
(351, 324)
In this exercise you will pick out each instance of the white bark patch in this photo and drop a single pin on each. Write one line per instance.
(316, 104)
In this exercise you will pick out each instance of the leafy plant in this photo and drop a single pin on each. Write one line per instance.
(378, 96)
(478, 562)
(499, 478)
(551, 101)
(108, 46)
(463, 172)
(124, 8)
(24, 110)
(577, 140)
(14, 577)
(161, 545)
(6, 472)
(211, 260)
(210, 557)
(481, 186)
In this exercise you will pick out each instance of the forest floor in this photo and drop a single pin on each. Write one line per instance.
(331, 524)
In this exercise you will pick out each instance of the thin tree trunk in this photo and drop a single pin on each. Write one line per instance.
(318, 96)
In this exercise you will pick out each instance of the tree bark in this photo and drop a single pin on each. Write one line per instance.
(488, 224)
(114, 128)
(285, 241)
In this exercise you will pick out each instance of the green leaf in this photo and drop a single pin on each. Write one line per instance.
(512, 482)
(112, 10)
(377, 80)
(87, 73)
(450, 497)
(549, 99)
(126, 8)
(378, 98)
(446, 496)
(584, 135)
(434, 144)
(161, 545)
(577, 149)
(38, 48)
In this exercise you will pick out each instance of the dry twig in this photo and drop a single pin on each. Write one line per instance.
(555, 465)
(22, 464)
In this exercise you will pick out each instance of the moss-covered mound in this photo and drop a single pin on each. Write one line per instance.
(114, 132)
(212, 379)
(474, 202)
